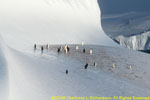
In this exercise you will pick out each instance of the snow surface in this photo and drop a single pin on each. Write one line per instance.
(33, 76)
(29, 75)
(51, 21)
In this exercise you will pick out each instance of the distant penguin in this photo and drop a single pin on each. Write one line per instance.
(130, 67)
(58, 50)
(66, 71)
(114, 65)
(66, 51)
(95, 64)
(86, 65)
(61, 48)
(82, 43)
(47, 46)
(68, 48)
(91, 51)
(84, 50)
(76, 47)
(34, 47)
(42, 49)
(65, 46)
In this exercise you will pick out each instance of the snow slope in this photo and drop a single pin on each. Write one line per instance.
(51, 21)
(28, 75)
(36, 77)
(3, 74)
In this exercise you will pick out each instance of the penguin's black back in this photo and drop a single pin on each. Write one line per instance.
(66, 71)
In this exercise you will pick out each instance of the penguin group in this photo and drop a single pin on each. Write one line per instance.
(67, 50)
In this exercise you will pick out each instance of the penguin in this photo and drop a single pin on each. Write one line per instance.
(65, 49)
(95, 64)
(91, 51)
(76, 47)
(114, 65)
(82, 43)
(68, 49)
(84, 50)
(47, 46)
(130, 67)
(58, 50)
(86, 65)
(66, 71)
(34, 47)
(42, 49)
(61, 48)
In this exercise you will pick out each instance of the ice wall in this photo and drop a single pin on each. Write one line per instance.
(136, 42)
(25, 22)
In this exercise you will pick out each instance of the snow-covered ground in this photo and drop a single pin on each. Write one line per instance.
(51, 21)
(32, 76)
(26, 74)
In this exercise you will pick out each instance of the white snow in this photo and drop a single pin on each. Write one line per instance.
(36, 77)
(3, 74)
(51, 21)
(29, 75)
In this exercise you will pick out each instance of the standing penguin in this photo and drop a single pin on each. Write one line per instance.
(58, 50)
(86, 65)
(95, 64)
(91, 51)
(66, 71)
(61, 48)
(130, 67)
(42, 49)
(47, 46)
(82, 43)
(114, 65)
(76, 47)
(65, 49)
(84, 50)
(68, 48)
(34, 47)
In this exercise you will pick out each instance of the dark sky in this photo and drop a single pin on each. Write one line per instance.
(124, 6)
